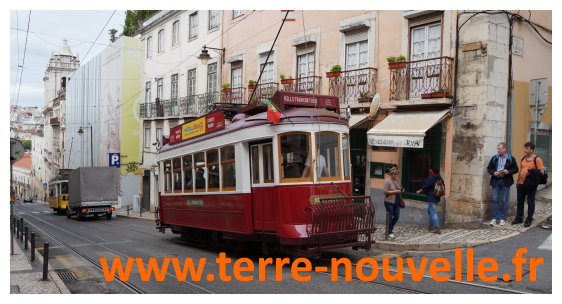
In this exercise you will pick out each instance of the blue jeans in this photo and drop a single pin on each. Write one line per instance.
(394, 210)
(433, 220)
(499, 186)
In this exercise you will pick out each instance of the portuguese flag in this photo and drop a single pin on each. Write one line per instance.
(273, 112)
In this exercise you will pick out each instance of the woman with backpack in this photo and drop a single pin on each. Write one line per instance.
(435, 189)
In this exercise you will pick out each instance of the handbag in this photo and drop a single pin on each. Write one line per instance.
(401, 202)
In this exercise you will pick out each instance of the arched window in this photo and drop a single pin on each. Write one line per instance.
(161, 41)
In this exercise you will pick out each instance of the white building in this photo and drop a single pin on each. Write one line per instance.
(176, 85)
(38, 174)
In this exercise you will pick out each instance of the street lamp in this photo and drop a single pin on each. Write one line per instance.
(204, 56)
(80, 132)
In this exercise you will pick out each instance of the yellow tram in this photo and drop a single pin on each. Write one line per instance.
(57, 194)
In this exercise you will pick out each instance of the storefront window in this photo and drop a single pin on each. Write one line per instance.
(294, 151)
(228, 169)
(327, 156)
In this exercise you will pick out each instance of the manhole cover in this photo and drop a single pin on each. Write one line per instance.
(66, 276)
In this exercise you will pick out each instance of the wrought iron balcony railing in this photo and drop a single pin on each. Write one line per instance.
(354, 84)
(205, 101)
(422, 77)
(235, 96)
(310, 85)
(188, 105)
(264, 91)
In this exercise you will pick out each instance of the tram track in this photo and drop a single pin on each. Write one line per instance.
(126, 284)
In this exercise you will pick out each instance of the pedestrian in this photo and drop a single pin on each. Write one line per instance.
(432, 200)
(501, 168)
(531, 165)
(392, 189)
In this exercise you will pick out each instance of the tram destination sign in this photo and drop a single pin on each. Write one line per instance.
(292, 99)
(203, 125)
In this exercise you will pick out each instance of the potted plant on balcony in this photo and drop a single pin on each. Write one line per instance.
(441, 93)
(226, 88)
(426, 95)
(285, 79)
(334, 72)
(252, 85)
(396, 62)
(363, 97)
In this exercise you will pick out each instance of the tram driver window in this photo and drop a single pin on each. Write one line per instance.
(177, 174)
(228, 169)
(213, 170)
(327, 155)
(168, 176)
(294, 151)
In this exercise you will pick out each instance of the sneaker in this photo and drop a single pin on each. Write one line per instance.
(502, 222)
(517, 220)
(528, 223)
(431, 227)
(437, 230)
(391, 235)
(493, 223)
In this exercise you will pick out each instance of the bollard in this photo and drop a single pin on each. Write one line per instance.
(387, 225)
(33, 246)
(25, 241)
(21, 230)
(17, 229)
(45, 261)
(15, 222)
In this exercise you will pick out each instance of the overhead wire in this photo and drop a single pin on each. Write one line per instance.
(18, 70)
(23, 61)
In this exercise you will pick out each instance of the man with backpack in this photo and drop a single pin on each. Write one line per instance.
(502, 167)
(532, 174)
(435, 189)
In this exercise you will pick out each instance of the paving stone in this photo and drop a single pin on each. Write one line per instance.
(429, 247)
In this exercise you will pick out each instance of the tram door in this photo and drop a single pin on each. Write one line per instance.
(263, 205)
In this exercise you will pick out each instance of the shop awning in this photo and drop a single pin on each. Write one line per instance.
(405, 129)
(356, 119)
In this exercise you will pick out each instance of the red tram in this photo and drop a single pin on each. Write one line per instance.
(247, 182)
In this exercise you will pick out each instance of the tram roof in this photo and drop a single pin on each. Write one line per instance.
(289, 116)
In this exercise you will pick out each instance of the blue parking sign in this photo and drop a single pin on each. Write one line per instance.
(115, 160)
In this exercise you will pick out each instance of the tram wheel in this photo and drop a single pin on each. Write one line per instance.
(96, 215)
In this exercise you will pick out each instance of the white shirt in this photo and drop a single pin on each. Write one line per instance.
(321, 163)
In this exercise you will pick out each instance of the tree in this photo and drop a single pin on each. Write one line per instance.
(26, 144)
(112, 33)
(131, 20)
(29, 114)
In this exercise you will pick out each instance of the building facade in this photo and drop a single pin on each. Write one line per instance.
(21, 176)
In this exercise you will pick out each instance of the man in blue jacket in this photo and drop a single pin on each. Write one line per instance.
(501, 167)
(432, 201)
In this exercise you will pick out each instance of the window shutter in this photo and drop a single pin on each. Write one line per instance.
(424, 19)
(432, 137)
(356, 35)
(305, 48)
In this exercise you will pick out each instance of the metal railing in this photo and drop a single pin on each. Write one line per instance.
(188, 105)
(309, 85)
(205, 101)
(354, 84)
(422, 77)
(236, 96)
(264, 91)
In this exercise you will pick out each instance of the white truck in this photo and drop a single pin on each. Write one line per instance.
(92, 191)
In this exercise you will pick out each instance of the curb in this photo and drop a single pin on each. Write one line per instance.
(135, 218)
(54, 276)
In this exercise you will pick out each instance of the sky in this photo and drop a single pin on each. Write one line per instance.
(76, 26)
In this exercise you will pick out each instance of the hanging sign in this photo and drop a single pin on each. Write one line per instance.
(209, 123)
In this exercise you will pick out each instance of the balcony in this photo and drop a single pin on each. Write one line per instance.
(310, 85)
(235, 96)
(351, 85)
(206, 101)
(408, 83)
(188, 105)
(54, 121)
(264, 91)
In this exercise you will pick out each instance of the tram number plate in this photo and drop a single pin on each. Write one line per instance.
(195, 202)
(98, 209)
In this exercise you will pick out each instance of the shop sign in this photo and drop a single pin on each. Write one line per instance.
(396, 141)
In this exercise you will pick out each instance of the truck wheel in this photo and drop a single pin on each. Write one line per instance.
(108, 215)
(96, 215)
(79, 215)
(68, 215)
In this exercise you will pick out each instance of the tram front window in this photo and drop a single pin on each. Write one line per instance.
(294, 152)
(64, 189)
(327, 155)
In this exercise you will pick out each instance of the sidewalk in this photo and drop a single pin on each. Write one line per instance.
(26, 276)
(146, 216)
(420, 239)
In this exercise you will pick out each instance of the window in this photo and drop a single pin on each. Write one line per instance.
(236, 81)
(161, 41)
(176, 166)
(267, 163)
(236, 14)
(357, 55)
(159, 135)
(294, 151)
(147, 93)
(191, 78)
(213, 19)
(188, 174)
(268, 73)
(176, 33)
(228, 169)
(193, 25)
(200, 177)
(306, 65)
(213, 176)
(345, 156)
(168, 176)
(426, 42)
(147, 137)
(255, 165)
(149, 47)
(212, 77)
(160, 89)
(175, 87)
(328, 156)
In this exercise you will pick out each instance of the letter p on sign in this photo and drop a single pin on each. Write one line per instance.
(115, 160)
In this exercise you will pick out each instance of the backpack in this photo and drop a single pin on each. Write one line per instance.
(439, 189)
(544, 177)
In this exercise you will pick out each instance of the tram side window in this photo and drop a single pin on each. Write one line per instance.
(294, 152)
(200, 176)
(345, 155)
(176, 166)
(168, 176)
(255, 165)
(327, 155)
(228, 169)
(267, 163)
(213, 177)
(188, 173)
